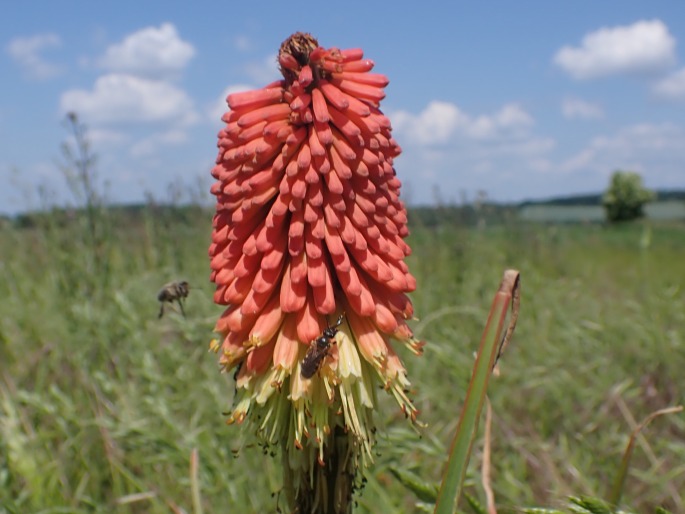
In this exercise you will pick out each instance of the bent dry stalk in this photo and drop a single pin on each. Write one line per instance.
(308, 226)
(619, 481)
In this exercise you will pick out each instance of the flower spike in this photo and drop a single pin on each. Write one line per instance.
(308, 256)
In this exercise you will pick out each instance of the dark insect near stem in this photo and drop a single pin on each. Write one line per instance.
(318, 350)
(237, 371)
(171, 292)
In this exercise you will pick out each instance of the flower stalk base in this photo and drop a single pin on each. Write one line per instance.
(331, 486)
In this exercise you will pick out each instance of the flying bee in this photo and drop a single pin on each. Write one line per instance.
(173, 292)
(318, 350)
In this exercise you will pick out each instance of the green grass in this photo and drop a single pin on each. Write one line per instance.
(102, 404)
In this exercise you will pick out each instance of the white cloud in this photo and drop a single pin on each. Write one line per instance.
(509, 120)
(434, 125)
(672, 87)
(643, 47)
(655, 150)
(106, 137)
(155, 52)
(512, 115)
(149, 145)
(118, 98)
(440, 121)
(136, 103)
(575, 108)
(450, 150)
(26, 52)
(447, 149)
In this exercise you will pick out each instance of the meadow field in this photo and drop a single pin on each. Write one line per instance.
(103, 406)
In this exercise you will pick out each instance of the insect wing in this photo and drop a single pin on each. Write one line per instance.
(312, 360)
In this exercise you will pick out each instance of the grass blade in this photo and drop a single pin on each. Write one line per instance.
(617, 489)
(492, 345)
(195, 481)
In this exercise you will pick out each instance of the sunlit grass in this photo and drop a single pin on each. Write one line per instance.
(102, 404)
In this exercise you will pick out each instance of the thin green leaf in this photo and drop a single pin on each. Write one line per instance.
(474, 504)
(591, 505)
(426, 492)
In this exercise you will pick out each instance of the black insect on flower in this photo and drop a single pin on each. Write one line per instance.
(318, 350)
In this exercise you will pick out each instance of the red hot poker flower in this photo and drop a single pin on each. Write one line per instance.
(309, 229)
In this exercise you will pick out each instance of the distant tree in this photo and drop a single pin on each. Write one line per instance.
(626, 196)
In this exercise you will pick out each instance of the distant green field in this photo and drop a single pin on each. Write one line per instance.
(668, 210)
(102, 403)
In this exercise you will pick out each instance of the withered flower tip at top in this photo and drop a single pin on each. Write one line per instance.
(309, 227)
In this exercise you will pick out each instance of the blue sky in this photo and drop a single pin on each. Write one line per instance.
(518, 99)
